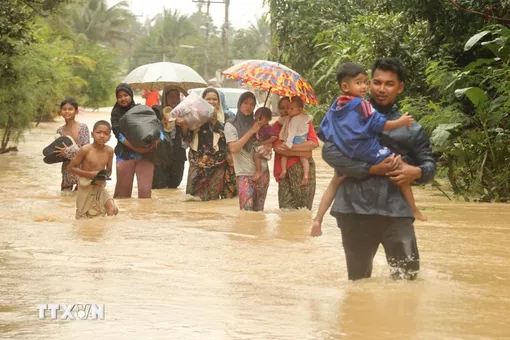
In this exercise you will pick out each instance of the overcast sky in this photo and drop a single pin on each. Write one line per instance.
(241, 12)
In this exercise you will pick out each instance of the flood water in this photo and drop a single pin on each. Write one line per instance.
(174, 268)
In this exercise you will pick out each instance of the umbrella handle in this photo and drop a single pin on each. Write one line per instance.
(267, 97)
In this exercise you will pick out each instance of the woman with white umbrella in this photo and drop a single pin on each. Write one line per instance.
(174, 78)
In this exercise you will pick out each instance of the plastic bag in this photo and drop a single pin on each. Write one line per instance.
(140, 126)
(195, 111)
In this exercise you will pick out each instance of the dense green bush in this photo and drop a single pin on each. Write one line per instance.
(471, 123)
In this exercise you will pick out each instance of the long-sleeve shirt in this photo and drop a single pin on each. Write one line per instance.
(365, 194)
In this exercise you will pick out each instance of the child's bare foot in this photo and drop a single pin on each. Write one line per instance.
(316, 230)
(283, 174)
(419, 216)
(305, 180)
(111, 208)
(257, 175)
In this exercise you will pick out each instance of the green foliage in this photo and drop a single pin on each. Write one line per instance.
(59, 62)
(101, 80)
(99, 23)
(252, 43)
(196, 42)
(458, 79)
(318, 112)
(368, 37)
(475, 142)
(450, 22)
(16, 19)
(34, 81)
(297, 22)
(162, 37)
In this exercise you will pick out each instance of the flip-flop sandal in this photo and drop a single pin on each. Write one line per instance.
(53, 159)
(102, 175)
(52, 148)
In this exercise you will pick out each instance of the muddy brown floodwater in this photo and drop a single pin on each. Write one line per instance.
(174, 268)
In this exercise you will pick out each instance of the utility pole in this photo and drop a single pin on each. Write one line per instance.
(208, 24)
(225, 35)
(274, 46)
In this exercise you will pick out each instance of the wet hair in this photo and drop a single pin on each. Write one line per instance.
(69, 101)
(349, 71)
(101, 123)
(264, 112)
(298, 100)
(394, 65)
(209, 90)
(124, 87)
(166, 91)
(173, 89)
(243, 97)
(282, 100)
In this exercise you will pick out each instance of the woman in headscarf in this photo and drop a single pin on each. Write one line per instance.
(170, 160)
(207, 177)
(291, 194)
(228, 114)
(240, 135)
(131, 160)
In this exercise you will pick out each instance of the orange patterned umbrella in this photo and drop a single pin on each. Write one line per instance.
(274, 77)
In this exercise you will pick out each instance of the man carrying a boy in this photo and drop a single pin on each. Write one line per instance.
(369, 206)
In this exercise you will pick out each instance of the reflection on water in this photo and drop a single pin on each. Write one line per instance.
(175, 268)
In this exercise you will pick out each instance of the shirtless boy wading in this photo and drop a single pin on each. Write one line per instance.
(96, 160)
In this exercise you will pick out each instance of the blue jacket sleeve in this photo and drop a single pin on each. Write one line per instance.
(376, 123)
(342, 164)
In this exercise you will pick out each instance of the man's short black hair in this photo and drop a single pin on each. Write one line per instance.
(394, 65)
(348, 71)
(102, 123)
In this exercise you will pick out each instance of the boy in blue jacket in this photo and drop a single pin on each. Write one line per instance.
(353, 125)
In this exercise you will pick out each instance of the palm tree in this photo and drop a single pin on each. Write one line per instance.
(260, 32)
(103, 24)
(164, 33)
(172, 27)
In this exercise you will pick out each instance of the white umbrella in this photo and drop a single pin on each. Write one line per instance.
(157, 76)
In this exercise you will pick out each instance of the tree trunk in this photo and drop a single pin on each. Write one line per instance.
(7, 135)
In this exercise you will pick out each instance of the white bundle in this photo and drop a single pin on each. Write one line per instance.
(195, 111)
